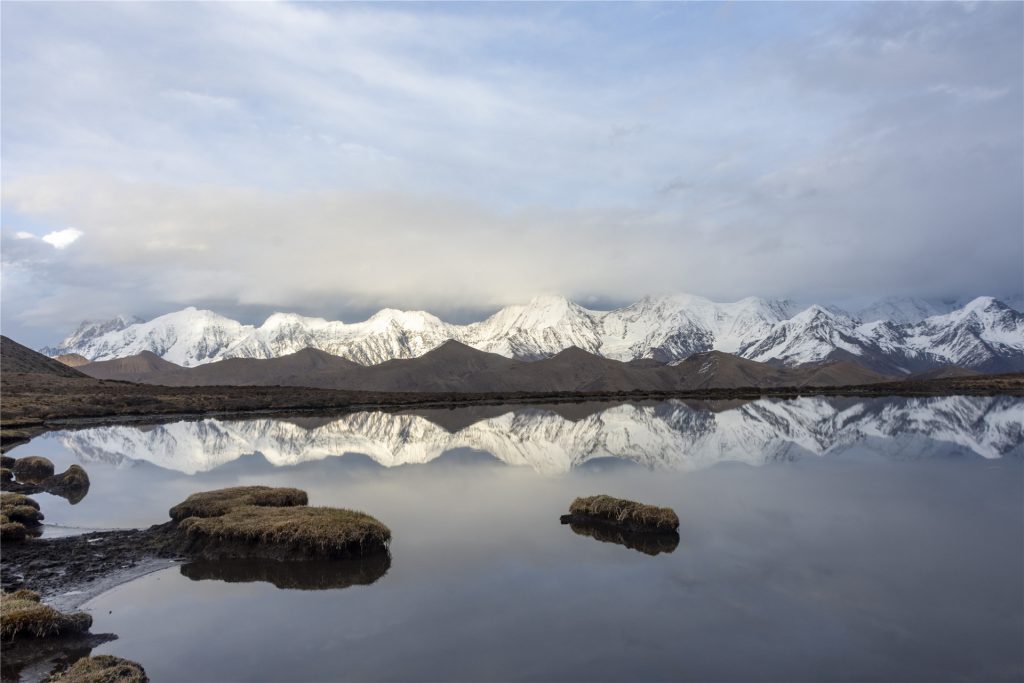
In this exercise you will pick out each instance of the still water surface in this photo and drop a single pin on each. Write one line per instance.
(820, 539)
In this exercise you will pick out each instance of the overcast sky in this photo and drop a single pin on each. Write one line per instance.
(333, 159)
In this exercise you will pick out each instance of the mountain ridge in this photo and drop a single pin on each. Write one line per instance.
(985, 334)
(456, 367)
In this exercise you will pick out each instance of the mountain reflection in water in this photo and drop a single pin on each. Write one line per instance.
(557, 438)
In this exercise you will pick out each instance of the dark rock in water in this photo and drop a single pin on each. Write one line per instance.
(102, 669)
(647, 543)
(307, 575)
(32, 469)
(7, 462)
(623, 514)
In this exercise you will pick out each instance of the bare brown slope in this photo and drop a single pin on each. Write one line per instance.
(836, 374)
(308, 367)
(72, 360)
(945, 371)
(455, 367)
(146, 367)
(719, 369)
(17, 358)
(451, 367)
(577, 370)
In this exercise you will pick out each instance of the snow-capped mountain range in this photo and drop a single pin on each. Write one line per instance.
(670, 434)
(984, 334)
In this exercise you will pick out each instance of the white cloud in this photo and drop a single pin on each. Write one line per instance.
(61, 239)
(22, 235)
(324, 155)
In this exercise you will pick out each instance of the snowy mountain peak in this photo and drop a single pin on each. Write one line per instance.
(91, 329)
(549, 301)
(983, 304)
(281, 319)
(984, 334)
(816, 314)
(413, 320)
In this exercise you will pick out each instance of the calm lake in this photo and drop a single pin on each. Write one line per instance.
(820, 539)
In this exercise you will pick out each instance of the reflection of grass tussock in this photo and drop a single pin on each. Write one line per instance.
(626, 513)
(33, 655)
(309, 531)
(22, 615)
(102, 669)
(307, 575)
(73, 484)
(647, 543)
(216, 503)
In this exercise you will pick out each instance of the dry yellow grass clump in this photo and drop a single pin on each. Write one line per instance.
(18, 513)
(8, 500)
(33, 468)
(12, 531)
(310, 531)
(22, 615)
(102, 669)
(626, 513)
(216, 503)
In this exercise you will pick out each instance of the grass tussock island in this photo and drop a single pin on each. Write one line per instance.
(275, 523)
(301, 531)
(32, 469)
(19, 515)
(623, 513)
(102, 669)
(217, 503)
(22, 615)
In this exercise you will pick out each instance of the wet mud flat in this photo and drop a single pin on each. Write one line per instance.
(69, 571)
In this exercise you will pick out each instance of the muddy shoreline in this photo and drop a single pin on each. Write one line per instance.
(69, 571)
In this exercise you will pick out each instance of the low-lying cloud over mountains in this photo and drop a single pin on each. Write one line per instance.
(463, 157)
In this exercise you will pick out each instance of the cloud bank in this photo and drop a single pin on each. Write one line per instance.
(332, 159)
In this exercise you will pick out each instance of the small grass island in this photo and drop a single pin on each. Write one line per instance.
(273, 523)
(623, 514)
